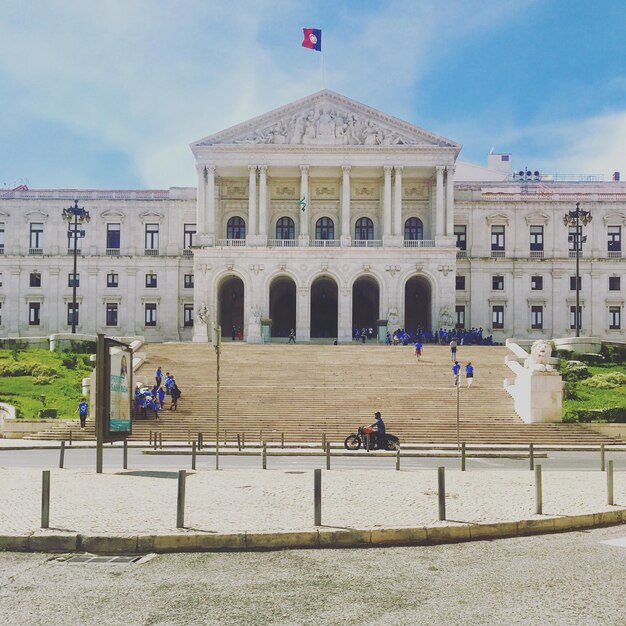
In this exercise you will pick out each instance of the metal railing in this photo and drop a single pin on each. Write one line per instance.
(325, 243)
(367, 243)
(35, 251)
(231, 243)
(112, 252)
(282, 243)
(419, 243)
(151, 252)
(461, 254)
(497, 254)
(187, 252)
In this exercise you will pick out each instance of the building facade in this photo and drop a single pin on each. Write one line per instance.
(323, 216)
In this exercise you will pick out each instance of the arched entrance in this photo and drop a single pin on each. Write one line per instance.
(324, 308)
(231, 301)
(365, 303)
(417, 304)
(282, 306)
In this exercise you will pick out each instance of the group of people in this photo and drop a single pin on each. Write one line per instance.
(154, 399)
(362, 334)
(473, 336)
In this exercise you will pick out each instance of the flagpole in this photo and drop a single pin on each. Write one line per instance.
(323, 72)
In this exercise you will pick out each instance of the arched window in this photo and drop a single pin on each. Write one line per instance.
(324, 228)
(364, 229)
(236, 228)
(285, 228)
(413, 229)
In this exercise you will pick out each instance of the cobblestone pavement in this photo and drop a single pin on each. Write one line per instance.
(144, 501)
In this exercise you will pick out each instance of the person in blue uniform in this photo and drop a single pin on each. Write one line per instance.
(379, 428)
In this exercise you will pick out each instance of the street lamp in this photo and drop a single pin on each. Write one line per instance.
(575, 219)
(77, 215)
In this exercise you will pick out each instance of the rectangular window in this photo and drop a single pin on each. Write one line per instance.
(572, 283)
(615, 283)
(111, 316)
(113, 280)
(536, 238)
(460, 232)
(35, 279)
(151, 281)
(150, 314)
(497, 316)
(152, 237)
(615, 317)
(80, 233)
(34, 313)
(0, 279)
(188, 281)
(113, 236)
(73, 280)
(188, 315)
(189, 235)
(572, 317)
(1, 237)
(571, 238)
(497, 283)
(614, 234)
(460, 283)
(0, 313)
(536, 317)
(497, 238)
(536, 283)
(72, 313)
(36, 236)
(460, 316)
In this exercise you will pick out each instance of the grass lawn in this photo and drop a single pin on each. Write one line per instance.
(59, 384)
(594, 398)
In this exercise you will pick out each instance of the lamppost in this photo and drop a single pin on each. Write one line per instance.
(77, 215)
(575, 219)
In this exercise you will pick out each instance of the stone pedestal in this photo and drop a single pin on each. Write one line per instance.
(538, 396)
(254, 332)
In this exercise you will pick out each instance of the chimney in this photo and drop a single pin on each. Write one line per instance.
(499, 162)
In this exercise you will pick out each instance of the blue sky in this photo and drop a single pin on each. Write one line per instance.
(110, 94)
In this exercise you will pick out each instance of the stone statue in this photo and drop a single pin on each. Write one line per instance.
(539, 359)
(445, 319)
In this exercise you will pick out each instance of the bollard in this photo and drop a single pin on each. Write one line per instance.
(225, 436)
(199, 441)
(125, 455)
(282, 440)
(45, 499)
(264, 455)
(239, 442)
(155, 439)
(161, 440)
(70, 437)
(189, 437)
(609, 484)
(463, 457)
(62, 455)
(398, 458)
(243, 440)
(150, 440)
(602, 463)
(180, 503)
(367, 443)
(538, 494)
(531, 456)
(328, 455)
(261, 436)
(317, 497)
(323, 441)
(193, 455)
(441, 481)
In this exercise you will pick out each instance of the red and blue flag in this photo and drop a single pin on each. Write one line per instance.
(312, 39)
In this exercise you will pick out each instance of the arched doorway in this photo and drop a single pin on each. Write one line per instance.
(365, 303)
(417, 304)
(324, 308)
(282, 306)
(231, 301)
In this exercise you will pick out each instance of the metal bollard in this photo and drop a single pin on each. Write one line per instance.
(200, 441)
(531, 456)
(189, 437)
(62, 455)
(161, 440)
(193, 455)
(243, 440)
(463, 457)
(602, 458)
(225, 436)
(180, 503)
(125, 455)
(264, 455)
(150, 439)
(441, 492)
(367, 443)
(155, 439)
(328, 455)
(70, 437)
(323, 441)
(609, 484)
(538, 492)
(282, 440)
(239, 442)
(261, 436)
(398, 458)
(45, 499)
(317, 497)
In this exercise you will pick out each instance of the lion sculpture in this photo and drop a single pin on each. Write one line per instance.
(539, 359)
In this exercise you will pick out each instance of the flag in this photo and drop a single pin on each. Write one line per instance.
(303, 203)
(312, 39)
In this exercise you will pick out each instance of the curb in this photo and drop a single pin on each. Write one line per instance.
(41, 541)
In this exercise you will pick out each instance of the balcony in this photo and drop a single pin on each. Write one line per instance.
(151, 252)
(70, 252)
(231, 243)
(112, 252)
(188, 252)
(282, 243)
(497, 254)
(614, 254)
(419, 243)
(35, 251)
(325, 243)
(536, 254)
(367, 243)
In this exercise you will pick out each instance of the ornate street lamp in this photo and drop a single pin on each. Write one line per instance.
(76, 215)
(575, 219)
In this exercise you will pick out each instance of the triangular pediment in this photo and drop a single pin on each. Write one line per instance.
(326, 119)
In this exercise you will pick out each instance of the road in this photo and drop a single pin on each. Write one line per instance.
(85, 458)
(570, 578)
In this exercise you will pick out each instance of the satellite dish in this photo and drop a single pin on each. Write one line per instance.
(537, 173)
(521, 173)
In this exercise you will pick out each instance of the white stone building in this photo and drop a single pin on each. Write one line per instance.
(322, 215)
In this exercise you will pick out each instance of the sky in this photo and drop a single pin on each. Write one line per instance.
(110, 94)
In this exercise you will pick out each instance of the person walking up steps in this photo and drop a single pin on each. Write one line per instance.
(456, 371)
(83, 410)
(469, 374)
(453, 345)
(418, 350)
(158, 376)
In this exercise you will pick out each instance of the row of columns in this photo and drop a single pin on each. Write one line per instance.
(392, 204)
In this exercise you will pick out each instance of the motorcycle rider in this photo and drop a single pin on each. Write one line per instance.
(379, 428)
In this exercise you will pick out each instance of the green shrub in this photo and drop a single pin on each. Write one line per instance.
(572, 371)
(570, 392)
(591, 359)
(614, 352)
(43, 413)
(565, 354)
(43, 379)
(610, 380)
(612, 415)
(70, 361)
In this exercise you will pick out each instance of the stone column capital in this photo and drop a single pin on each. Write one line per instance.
(346, 169)
(398, 168)
(263, 169)
(211, 168)
(387, 169)
(439, 169)
(252, 168)
(304, 169)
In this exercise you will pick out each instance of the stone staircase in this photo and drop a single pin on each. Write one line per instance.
(297, 392)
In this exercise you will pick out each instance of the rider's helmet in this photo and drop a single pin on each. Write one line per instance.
(377, 414)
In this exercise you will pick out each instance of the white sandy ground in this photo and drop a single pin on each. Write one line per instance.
(264, 501)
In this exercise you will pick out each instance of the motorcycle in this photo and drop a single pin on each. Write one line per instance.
(360, 438)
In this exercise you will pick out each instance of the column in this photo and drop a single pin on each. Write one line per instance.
(344, 315)
(305, 206)
(252, 230)
(345, 206)
(387, 202)
(450, 201)
(210, 215)
(397, 201)
(439, 208)
(263, 201)
(303, 314)
(201, 210)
